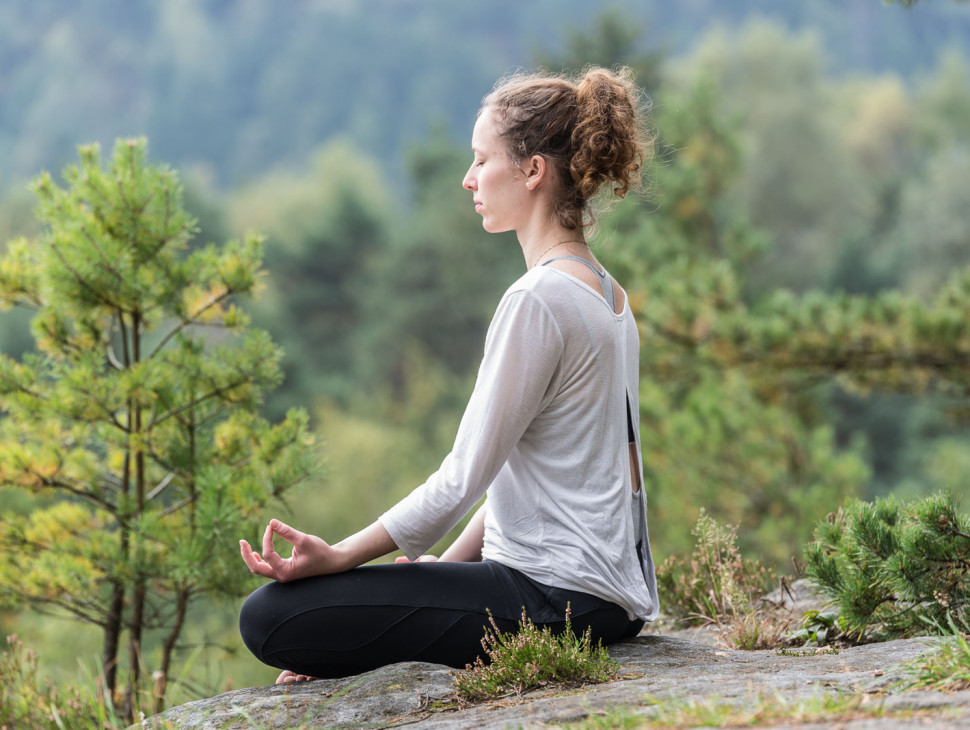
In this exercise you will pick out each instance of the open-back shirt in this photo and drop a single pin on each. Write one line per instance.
(545, 433)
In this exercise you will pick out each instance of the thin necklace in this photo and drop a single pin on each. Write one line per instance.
(555, 245)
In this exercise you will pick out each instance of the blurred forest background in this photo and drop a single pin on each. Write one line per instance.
(813, 160)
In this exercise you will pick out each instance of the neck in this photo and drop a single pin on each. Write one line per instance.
(562, 248)
(556, 241)
(538, 231)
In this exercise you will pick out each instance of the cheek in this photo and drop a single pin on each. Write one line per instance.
(496, 181)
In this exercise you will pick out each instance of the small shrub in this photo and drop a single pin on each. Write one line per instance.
(820, 628)
(22, 703)
(894, 570)
(720, 586)
(757, 628)
(530, 658)
(25, 703)
(716, 582)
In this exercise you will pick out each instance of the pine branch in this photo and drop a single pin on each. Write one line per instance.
(109, 267)
(190, 320)
(181, 504)
(83, 492)
(123, 329)
(87, 612)
(160, 487)
(97, 294)
(163, 240)
(112, 358)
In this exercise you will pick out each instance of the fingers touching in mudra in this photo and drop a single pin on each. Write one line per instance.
(313, 556)
(310, 556)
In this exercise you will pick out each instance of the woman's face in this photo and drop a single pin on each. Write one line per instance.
(497, 186)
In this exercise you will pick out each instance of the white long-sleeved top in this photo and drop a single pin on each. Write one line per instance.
(545, 433)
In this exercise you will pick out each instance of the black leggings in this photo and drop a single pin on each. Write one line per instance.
(348, 623)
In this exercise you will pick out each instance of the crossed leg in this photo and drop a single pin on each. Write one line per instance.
(349, 623)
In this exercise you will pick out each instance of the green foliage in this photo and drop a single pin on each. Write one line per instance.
(863, 170)
(388, 443)
(731, 413)
(819, 627)
(326, 226)
(26, 703)
(436, 284)
(530, 658)
(87, 70)
(22, 703)
(137, 412)
(894, 569)
(754, 452)
(613, 39)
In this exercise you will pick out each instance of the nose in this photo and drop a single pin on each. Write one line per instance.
(469, 182)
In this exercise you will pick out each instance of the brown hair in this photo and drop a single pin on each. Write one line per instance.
(589, 128)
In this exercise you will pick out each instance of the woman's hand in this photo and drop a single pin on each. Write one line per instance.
(311, 555)
(422, 559)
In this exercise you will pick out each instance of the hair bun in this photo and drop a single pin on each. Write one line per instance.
(606, 140)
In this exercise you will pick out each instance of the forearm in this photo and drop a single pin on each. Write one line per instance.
(362, 547)
(467, 548)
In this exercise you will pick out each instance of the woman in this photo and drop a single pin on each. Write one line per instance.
(550, 433)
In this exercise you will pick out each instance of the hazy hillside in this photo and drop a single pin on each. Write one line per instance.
(242, 86)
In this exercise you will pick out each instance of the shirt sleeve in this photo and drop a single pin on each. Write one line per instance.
(519, 375)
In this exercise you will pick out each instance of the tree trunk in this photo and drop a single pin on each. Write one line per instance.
(139, 593)
(134, 649)
(112, 637)
(161, 684)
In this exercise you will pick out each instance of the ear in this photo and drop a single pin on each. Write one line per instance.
(536, 171)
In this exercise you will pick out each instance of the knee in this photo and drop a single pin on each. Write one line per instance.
(257, 619)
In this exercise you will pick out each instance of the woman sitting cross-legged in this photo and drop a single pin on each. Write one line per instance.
(550, 435)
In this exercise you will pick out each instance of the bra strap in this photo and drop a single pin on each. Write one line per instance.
(605, 284)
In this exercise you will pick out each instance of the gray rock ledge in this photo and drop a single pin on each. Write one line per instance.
(655, 668)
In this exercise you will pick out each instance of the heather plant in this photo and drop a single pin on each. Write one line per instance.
(25, 702)
(22, 702)
(894, 569)
(532, 657)
(719, 586)
(717, 580)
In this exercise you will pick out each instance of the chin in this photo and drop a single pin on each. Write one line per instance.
(491, 227)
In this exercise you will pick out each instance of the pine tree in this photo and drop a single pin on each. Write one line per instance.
(895, 569)
(137, 412)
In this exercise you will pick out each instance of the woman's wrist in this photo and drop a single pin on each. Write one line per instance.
(362, 547)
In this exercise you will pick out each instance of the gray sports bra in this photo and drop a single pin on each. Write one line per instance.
(605, 284)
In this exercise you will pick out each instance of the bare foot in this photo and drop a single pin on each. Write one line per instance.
(288, 677)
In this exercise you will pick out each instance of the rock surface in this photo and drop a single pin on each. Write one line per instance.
(655, 668)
